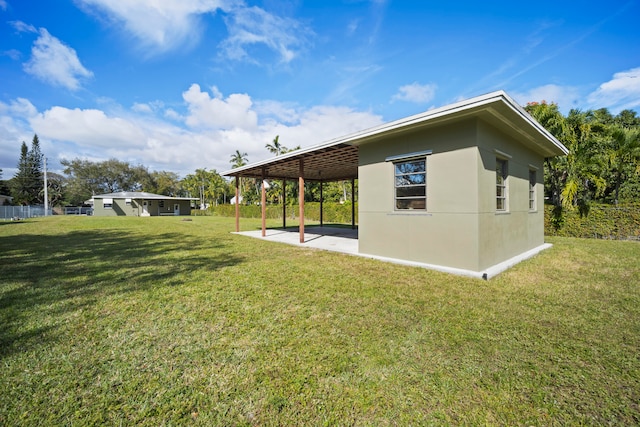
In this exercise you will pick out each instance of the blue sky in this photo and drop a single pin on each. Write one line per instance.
(181, 84)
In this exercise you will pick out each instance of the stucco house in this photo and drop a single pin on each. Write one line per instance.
(135, 203)
(5, 200)
(457, 188)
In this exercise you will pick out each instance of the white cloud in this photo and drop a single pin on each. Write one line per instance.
(20, 107)
(620, 93)
(219, 113)
(566, 97)
(3, 5)
(56, 63)
(172, 114)
(141, 108)
(352, 27)
(87, 128)
(162, 26)
(158, 137)
(159, 25)
(251, 26)
(416, 92)
(320, 124)
(14, 129)
(22, 27)
(13, 54)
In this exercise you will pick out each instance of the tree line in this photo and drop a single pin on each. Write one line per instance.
(603, 165)
(82, 179)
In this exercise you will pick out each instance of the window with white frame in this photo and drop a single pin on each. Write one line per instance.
(107, 203)
(501, 184)
(411, 184)
(532, 189)
(127, 201)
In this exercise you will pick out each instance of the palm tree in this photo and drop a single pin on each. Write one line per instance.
(275, 147)
(238, 159)
(585, 164)
(624, 151)
(549, 116)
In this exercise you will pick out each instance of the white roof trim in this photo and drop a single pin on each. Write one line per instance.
(408, 156)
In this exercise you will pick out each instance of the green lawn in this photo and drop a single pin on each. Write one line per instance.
(160, 321)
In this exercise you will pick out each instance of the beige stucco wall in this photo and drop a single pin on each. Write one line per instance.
(461, 228)
(504, 235)
(447, 233)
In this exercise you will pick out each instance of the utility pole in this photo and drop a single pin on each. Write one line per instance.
(46, 190)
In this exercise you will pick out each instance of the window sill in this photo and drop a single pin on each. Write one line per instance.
(409, 212)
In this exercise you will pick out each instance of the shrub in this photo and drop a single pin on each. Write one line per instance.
(332, 212)
(621, 222)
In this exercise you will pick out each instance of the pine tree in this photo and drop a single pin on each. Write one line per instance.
(36, 172)
(28, 180)
(20, 181)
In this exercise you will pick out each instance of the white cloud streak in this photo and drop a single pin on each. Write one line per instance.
(22, 27)
(158, 25)
(165, 26)
(253, 26)
(55, 63)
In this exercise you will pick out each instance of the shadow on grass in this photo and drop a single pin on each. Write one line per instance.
(46, 277)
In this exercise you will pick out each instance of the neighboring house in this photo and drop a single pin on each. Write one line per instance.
(458, 188)
(5, 200)
(134, 203)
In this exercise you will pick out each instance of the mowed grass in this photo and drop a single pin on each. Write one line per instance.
(160, 321)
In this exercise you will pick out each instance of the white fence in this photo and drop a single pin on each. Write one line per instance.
(78, 210)
(11, 212)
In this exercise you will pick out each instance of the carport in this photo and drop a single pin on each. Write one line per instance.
(333, 161)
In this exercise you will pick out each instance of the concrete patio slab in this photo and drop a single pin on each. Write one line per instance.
(336, 239)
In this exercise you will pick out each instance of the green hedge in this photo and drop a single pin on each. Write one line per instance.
(332, 212)
(598, 221)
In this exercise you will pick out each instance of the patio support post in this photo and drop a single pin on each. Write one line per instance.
(321, 201)
(353, 203)
(237, 204)
(263, 207)
(284, 203)
(301, 199)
